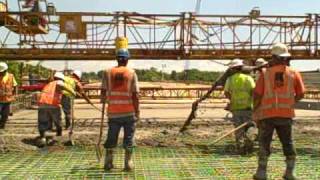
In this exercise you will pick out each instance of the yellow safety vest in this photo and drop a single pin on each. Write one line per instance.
(69, 83)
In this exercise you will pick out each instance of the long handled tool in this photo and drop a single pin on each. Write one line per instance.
(228, 133)
(89, 102)
(219, 82)
(97, 147)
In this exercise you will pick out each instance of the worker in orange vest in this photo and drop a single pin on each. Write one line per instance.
(50, 107)
(7, 91)
(120, 90)
(277, 90)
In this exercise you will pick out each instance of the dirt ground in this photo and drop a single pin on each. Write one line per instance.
(159, 126)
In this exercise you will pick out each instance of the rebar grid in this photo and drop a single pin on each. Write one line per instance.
(158, 163)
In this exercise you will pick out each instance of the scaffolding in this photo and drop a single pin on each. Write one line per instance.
(91, 35)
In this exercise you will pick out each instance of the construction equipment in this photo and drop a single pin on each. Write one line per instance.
(97, 147)
(219, 82)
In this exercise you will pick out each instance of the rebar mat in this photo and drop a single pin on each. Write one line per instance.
(153, 163)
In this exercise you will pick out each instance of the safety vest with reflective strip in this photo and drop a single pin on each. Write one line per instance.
(119, 94)
(277, 101)
(49, 95)
(71, 84)
(6, 89)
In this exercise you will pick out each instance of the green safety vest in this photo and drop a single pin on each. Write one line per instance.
(69, 83)
(241, 88)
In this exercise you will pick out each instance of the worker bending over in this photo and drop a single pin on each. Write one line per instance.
(49, 107)
(72, 82)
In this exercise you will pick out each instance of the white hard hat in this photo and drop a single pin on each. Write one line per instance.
(77, 73)
(3, 66)
(261, 62)
(59, 75)
(235, 63)
(280, 49)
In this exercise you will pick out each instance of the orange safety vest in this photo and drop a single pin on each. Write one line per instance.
(119, 94)
(277, 101)
(6, 89)
(49, 95)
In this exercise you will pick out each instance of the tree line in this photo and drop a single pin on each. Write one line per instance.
(150, 75)
(155, 75)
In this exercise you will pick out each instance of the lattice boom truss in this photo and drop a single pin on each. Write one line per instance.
(163, 36)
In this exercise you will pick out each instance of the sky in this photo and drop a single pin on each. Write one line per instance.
(241, 7)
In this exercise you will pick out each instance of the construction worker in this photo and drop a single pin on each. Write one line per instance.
(73, 82)
(278, 88)
(49, 106)
(261, 63)
(7, 91)
(238, 89)
(120, 90)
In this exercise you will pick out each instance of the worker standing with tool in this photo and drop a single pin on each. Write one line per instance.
(49, 106)
(73, 82)
(120, 90)
(7, 91)
(278, 88)
(238, 89)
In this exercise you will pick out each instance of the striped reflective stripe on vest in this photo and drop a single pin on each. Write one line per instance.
(273, 94)
(119, 93)
(272, 100)
(120, 97)
(113, 102)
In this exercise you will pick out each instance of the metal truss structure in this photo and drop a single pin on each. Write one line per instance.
(156, 36)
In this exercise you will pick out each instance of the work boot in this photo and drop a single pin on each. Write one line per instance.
(128, 164)
(43, 142)
(261, 173)
(289, 173)
(108, 160)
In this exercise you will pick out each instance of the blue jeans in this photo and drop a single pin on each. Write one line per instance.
(4, 113)
(115, 125)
